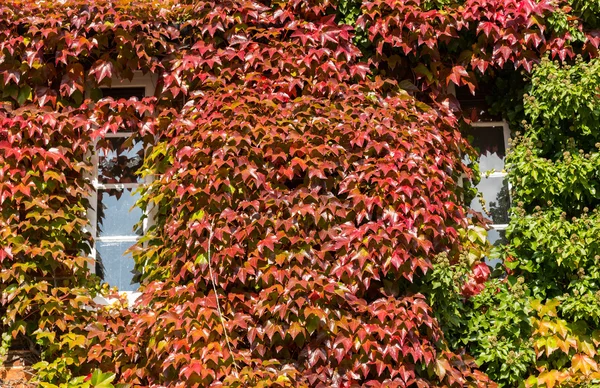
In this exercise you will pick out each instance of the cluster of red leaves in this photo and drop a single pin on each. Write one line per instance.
(298, 196)
(303, 192)
(45, 168)
(500, 32)
(43, 274)
(476, 281)
(287, 183)
(299, 212)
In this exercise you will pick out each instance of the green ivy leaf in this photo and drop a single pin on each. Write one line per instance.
(24, 94)
(102, 380)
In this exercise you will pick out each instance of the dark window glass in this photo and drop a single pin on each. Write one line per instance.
(489, 142)
(119, 160)
(475, 107)
(117, 93)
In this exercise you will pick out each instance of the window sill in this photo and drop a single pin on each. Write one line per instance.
(132, 297)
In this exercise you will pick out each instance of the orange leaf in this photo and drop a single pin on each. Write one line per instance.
(584, 364)
(549, 378)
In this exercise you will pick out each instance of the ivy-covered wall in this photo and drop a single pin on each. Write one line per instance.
(309, 192)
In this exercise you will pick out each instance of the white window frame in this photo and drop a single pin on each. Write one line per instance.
(148, 82)
(497, 174)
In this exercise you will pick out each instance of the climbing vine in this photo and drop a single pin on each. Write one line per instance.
(308, 197)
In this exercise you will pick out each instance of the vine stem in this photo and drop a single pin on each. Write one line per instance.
(219, 311)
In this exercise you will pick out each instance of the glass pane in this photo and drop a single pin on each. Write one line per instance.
(496, 238)
(475, 107)
(119, 160)
(489, 141)
(497, 201)
(113, 266)
(114, 215)
(124, 92)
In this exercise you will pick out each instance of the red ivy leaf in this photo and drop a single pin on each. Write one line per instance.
(102, 69)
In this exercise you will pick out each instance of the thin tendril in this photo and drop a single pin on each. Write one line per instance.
(212, 280)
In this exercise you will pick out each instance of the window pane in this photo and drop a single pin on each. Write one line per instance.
(113, 266)
(114, 215)
(497, 201)
(118, 160)
(496, 238)
(489, 141)
(475, 107)
(127, 92)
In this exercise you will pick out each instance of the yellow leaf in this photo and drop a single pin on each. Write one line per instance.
(531, 381)
(587, 348)
(282, 379)
(563, 345)
(536, 305)
(544, 327)
(73, 340)
(551, 345)
(539, 346)
(571, 341)
(584, 364)
(549, 308)
(560, 327)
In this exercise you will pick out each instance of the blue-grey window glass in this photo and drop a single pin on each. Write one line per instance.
(114, 266)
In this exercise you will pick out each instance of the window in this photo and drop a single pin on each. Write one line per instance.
(113, 214)
(489, 135)
(491, 140)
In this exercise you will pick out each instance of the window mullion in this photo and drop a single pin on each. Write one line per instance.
(126, 238)
(117, 135)
(92, 212)
(116, 186)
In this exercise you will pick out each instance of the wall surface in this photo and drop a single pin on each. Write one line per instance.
(15, 374)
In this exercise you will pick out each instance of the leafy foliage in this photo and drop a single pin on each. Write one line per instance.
(290, 191)
(499, 331)
(310, 228)
(461, 42)
(96, 379)
(44, 278)
(553, 236)
(243, 217)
